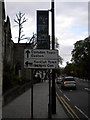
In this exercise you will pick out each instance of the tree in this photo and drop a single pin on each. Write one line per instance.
(20, 20)
(57, 47)
(81, 57)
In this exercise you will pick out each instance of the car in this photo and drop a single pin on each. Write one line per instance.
(58, 80)
(68, 82)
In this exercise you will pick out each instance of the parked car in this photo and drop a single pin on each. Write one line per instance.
(68, 82)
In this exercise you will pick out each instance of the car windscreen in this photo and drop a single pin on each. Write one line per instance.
(69, 79)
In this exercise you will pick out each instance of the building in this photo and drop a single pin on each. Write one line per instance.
(2, 18)
(18, 60)
(8, 43)
(13, 53)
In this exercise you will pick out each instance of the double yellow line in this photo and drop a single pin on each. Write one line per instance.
(67, 107)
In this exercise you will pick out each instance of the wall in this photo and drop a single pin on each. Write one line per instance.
(2, 17)
(19, 60)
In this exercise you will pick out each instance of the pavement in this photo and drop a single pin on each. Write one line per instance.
(21, 106)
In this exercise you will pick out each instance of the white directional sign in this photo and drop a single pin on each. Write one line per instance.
(38, 58)
(40, 54)
(45, 64)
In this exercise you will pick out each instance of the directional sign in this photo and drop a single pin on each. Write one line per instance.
(27, 52)
(40, 54)
(45, 64)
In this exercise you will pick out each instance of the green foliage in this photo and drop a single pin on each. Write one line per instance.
(69, 69)
(81, 58)
(58, 71)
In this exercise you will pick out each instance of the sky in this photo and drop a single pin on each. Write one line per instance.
(71, 21)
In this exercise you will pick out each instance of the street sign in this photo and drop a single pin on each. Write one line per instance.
(42, 64)
(40, 54)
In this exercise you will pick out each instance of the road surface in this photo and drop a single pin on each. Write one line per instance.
(78, 99)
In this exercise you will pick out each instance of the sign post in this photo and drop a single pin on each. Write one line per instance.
(53, 73)
(41, 59)
(43, 39)
(32, 95)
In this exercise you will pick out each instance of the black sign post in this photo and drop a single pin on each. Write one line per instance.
(32, 94)
(53, 72)
(43, 42)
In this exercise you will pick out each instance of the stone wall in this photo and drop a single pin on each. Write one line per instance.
(19, 60)
(8, 47)
(2, 18)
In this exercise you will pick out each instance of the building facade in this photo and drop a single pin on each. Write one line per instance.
(2, 18)
(13, 53)
(18, 60)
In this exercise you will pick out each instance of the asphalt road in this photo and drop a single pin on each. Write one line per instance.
(78, 99)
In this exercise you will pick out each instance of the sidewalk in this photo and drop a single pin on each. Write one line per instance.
(21, 106)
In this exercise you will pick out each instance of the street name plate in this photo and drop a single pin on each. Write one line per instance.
(44, 64)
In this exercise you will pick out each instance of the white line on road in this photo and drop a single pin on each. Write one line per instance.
(82, 112)
(66, 97)
(60, 90)
(57, 85)
(87, 89)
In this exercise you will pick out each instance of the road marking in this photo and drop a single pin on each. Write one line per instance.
(82, 112)
(71, 90)
(57, 86)
(70, 109)
(87, 89)
(66, 97)
(60, 90)
(67, 107)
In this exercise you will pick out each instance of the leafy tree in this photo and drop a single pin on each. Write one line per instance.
(81, 57)
(69, 69)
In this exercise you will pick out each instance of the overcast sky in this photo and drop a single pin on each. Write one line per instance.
(71, 22)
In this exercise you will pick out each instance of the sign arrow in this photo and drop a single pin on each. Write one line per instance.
(28, 63)
(27, 52)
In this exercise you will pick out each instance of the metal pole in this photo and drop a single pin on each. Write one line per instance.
(32, 96)
(49, 105)
(53, 72)
(53, 31)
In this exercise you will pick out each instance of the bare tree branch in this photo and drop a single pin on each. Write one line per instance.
(22, 35)
(16, 21)
(20, 19)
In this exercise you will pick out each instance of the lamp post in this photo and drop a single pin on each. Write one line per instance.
(53, 71)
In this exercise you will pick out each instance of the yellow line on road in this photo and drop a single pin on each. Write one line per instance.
(64, 105)
(67, 107)
(70, 108)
